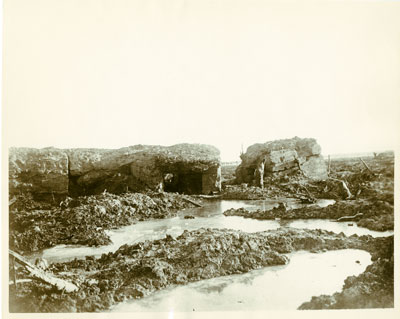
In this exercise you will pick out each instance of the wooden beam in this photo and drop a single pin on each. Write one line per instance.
(14, 273)
(329, 164)
(209, 196)
(19, 281)
(12, 201)
(42, 275)
(349, 218)
(366, 166)
(193, 202)
(349, 195)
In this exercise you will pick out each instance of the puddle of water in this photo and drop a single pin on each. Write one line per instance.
(271, 288)
(210, 216)
(348, 228)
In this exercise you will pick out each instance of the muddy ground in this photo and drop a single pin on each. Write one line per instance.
(370, 181)
(134, 271)
(371, 187)
(376, 215)
(83, 220)
(374, 288)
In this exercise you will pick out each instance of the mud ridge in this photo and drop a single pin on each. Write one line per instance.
(84, 220)
(135, 271)
(376, 215)
(374, 288)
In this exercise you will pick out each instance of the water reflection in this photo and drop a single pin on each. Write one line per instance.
(271, 288)
(209, 216)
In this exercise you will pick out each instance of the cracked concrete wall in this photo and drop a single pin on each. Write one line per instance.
(76, 172)
(282, 157)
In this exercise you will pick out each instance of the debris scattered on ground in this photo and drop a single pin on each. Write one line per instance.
(134, 271)
(377, 215)
(359, 182)
(85, 219)
(363, 186)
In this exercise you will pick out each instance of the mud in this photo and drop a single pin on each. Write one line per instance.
(84, 220)
(377, 215)
(134, 271)
(374, 288)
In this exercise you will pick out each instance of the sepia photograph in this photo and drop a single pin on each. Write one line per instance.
(200, 158)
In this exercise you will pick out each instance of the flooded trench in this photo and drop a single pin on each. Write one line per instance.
(209, 216)
(271, 288)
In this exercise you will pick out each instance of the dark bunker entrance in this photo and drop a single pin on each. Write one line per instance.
(184, 183)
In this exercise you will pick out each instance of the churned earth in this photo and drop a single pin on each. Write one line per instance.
(377, 215)
(374, 288)
(370, 192)
(84, 220)
(134, 271)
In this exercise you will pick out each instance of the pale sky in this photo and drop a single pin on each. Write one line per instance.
(114, 73)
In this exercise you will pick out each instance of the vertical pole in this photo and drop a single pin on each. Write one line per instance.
(260, 174)
(329, 164)
(14, 272)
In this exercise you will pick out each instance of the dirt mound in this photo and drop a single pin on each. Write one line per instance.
(376, 215)
(83, 220)
(134, 271)
(374, 288)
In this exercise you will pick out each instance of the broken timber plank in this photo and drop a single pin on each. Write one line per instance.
(349, 218)
(366, 166)
(14, 272)
(12, 201)
(42, 275)
(193, 202)
(209, 196)
(349, 195)
(19, 281)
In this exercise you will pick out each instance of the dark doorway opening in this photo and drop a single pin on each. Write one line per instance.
(188, 183)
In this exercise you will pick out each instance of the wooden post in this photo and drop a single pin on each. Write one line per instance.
(329, 164)
(14, 272)
(366, 166)
(259, 174)
(349, 195)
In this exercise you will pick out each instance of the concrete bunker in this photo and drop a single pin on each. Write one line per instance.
(182, 168)
(299, 157)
